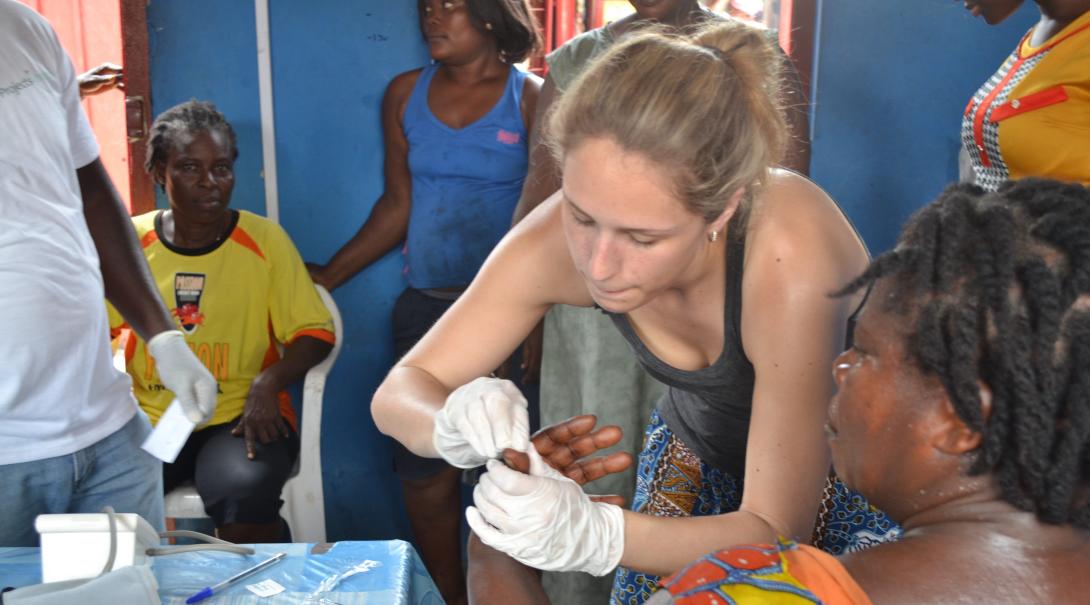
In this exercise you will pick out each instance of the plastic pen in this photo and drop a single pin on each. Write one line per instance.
(211, 590)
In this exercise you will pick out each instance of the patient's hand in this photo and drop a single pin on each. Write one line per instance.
(261, 419)
(566, 445)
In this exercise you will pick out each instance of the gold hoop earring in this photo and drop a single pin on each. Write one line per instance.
(714, 235)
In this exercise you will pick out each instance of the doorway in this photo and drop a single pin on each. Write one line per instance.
(94, 32)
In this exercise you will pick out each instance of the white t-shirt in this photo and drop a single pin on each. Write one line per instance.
(59, 391)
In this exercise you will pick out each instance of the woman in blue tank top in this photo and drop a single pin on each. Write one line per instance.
(455, 133)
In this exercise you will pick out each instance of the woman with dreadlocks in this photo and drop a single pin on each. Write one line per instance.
(963, 407)
(963, 410)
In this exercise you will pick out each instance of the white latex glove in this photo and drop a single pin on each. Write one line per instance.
(184, 375)
(479, 421)
(545, 520)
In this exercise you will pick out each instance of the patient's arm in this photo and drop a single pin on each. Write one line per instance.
(494, 578)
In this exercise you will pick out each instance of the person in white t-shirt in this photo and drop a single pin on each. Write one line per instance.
(70, 431)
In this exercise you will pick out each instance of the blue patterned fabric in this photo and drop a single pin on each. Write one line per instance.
(848, 523)
(672, 482)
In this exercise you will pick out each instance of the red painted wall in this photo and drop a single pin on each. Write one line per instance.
(90, 30)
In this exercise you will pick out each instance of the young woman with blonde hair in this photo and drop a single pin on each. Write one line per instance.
(715, 266)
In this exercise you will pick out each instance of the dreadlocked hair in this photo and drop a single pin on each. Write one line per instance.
(185, 119)
(999, 285)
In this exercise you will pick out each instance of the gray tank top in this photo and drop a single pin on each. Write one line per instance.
(709, 409)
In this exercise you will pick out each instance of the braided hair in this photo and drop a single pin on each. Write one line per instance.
(188, 118)
(999, 287)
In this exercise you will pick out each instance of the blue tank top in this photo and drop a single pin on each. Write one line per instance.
(465, 184)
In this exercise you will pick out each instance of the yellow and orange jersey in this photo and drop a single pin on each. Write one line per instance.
(235, 301)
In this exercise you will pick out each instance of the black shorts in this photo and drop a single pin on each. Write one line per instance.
(234, 488)
(414, 314)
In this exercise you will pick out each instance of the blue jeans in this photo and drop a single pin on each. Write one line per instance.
(112, 472)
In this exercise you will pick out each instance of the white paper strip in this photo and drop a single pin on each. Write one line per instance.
(170, 434)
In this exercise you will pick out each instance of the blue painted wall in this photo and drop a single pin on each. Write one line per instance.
(331, 63)
(891, 80)
(330, 70)
(195, 56)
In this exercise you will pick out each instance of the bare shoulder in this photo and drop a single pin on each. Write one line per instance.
(403, 82)
(989, 569)
(881, 571)
(798, 233)
(894, 573)
(400, 89)
(531, 93)
(536, 253)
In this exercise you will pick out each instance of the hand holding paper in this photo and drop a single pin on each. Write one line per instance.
(185, 376)
(170, 434)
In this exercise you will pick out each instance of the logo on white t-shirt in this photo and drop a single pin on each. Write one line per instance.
(26, 81)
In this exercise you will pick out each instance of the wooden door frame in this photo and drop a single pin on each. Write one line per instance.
(798, 26)
(135, 57)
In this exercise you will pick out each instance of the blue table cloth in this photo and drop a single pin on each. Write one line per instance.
(342, 573)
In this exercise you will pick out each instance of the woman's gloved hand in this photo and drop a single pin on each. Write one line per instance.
(184, 375)
(479, 421)
(545, 520)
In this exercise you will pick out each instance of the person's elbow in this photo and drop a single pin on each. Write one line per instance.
(322, 351)
(384, 406)
(380, 409)
(773, 528)
(311, 349)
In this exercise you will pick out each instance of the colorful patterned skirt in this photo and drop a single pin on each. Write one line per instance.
(671, 481)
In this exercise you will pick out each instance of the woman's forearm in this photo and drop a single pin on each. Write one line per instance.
(404, 408)
(661, 545)
(384, 229)
(299, 357)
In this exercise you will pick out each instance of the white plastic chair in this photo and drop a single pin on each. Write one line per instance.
(304, 499)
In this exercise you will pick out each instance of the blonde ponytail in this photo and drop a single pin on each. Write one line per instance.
(706, 106)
